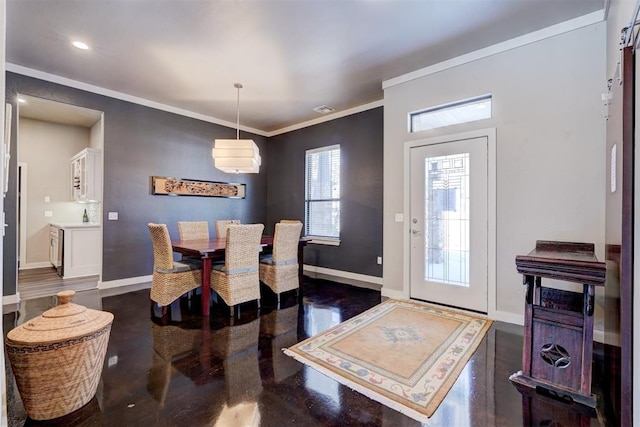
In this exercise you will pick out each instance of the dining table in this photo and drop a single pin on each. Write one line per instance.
(212, 249)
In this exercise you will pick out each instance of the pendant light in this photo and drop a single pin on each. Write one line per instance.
(236, 155)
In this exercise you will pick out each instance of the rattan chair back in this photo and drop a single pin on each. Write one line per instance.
(162, 251)
(289, 221)
(243, 247)
(222, 225)
(193, 230)
(285, 241)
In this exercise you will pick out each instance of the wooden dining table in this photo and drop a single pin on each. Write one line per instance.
(213, 249)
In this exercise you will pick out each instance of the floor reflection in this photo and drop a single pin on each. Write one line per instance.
(183, 369)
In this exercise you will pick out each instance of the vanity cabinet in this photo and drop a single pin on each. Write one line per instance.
(86, 176)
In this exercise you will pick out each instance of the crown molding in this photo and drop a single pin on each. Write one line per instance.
(545, 33)
(328, 117)
(53, 78)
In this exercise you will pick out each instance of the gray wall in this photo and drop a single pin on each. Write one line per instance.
(140, 142)
(360, 138)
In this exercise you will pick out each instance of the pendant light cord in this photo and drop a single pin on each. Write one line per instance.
(238, 86)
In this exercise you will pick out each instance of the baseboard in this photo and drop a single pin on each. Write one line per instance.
(32, 265)
(393, 294)
(11, 299)
(610, 338)
(346, 277)
(507, 317)
(124, 282)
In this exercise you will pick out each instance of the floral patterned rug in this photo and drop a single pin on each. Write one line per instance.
(403, 354)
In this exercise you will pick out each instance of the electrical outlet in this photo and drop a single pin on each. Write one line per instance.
(399, 217)
(48, 214)
(113, 216)
(47, 199)
(379, 260)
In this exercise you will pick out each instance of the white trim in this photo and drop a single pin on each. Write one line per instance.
(610, 338)
(343, 274)
(14, 68)
(490, 134)
(328, 117)
(30, 72)
(394, 294)
(492, 226)
(33, 265)
(323, 149)
(23, 174)
(536, 36)
(11, 299)
(124, 282)
(320, 241)
(507, 317)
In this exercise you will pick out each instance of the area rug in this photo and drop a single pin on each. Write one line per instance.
(403, 354)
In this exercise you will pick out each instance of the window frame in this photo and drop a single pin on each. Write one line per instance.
(325, 240)
(450, 106)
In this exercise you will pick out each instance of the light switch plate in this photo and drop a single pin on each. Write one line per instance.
(47, 199)
(399, 217)
(113, 216)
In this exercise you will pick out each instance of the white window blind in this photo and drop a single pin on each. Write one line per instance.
(322, 193)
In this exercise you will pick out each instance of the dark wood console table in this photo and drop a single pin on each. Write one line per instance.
(558, 330)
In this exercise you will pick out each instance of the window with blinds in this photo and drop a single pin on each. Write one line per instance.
(322, 193)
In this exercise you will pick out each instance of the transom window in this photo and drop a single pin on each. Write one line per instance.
(322, 193)
(451, 114)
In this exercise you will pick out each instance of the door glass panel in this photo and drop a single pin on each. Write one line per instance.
(446, 236)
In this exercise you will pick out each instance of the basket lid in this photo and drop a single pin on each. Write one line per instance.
(64, 321)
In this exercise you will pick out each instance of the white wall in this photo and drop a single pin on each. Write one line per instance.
(548, 114)
(47, 149)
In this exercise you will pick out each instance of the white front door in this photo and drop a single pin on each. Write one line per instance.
(449, 223)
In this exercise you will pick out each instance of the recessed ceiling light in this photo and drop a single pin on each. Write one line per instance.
(323, 109)
(80, 45)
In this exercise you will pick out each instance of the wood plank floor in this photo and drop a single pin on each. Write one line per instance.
(42, 282)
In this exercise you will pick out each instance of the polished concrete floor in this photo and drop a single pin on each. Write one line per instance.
(181, 370)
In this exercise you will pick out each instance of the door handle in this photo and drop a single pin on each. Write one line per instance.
(415, 232)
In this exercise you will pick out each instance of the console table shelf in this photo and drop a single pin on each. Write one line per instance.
(558, 335)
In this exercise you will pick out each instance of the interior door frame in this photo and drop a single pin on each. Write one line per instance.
(490, 134)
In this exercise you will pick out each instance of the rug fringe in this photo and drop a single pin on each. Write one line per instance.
(365, 391)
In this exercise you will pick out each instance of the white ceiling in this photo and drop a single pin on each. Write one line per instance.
(290, 55)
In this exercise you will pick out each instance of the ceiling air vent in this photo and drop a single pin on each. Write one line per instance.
(323, 109)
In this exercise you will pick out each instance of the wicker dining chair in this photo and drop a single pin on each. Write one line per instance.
(171, 279)
(222, 225)
(289, 221)
(238, 280)
(279, 271)
(193, 230)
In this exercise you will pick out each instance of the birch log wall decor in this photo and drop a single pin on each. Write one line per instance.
(168, 186)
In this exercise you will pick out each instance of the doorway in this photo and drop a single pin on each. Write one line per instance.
(49, 134)
(450, 211)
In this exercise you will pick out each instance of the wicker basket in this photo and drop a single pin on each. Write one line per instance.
(57, 358)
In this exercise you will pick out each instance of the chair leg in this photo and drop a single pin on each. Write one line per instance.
(231, 311)
(164, 310)
(277, 301)
(258, 301)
